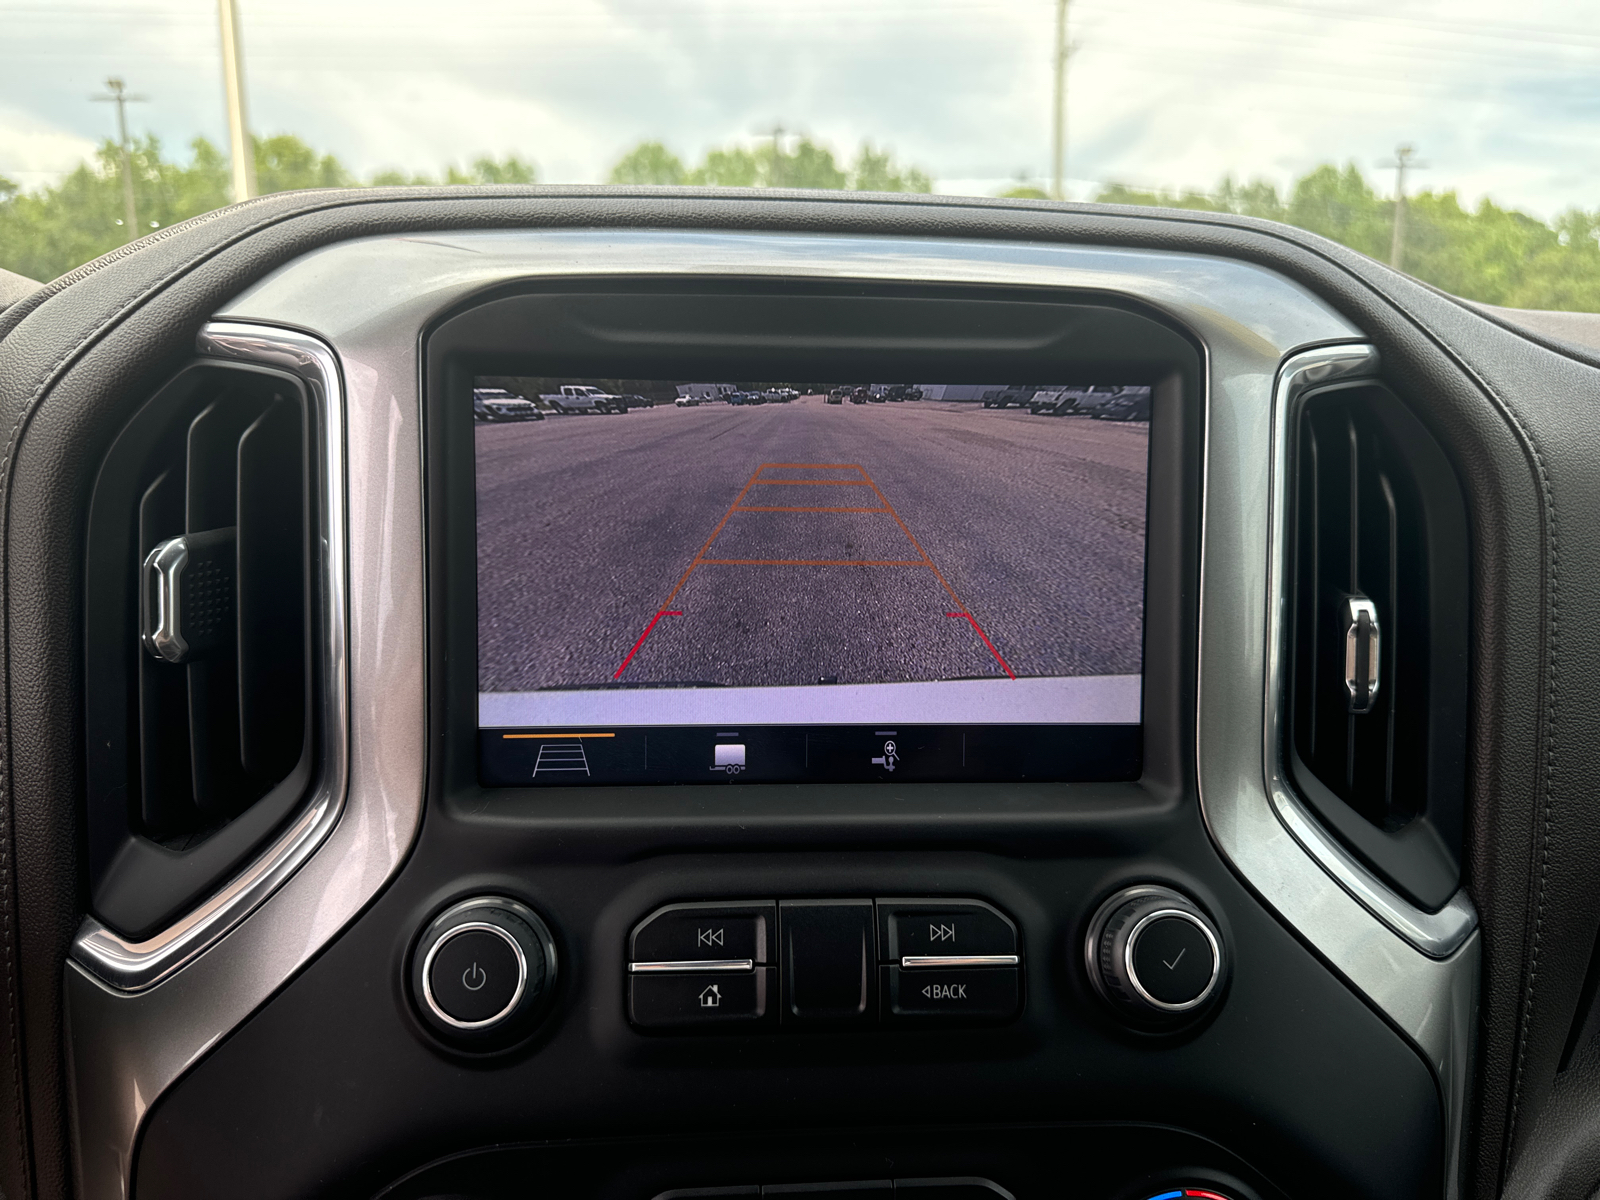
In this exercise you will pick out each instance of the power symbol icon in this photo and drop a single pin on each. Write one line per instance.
(474, 977)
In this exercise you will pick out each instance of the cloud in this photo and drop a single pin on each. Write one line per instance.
(1162, 92)
(34, 151)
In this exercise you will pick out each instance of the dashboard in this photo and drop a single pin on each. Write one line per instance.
(637, 696)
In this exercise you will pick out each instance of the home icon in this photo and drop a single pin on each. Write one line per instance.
(711, 997)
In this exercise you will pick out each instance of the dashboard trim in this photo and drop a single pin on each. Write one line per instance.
(1437, 934)
(134, 966)
(128, 1044)
(368, 298)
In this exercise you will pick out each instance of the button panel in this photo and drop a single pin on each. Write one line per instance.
(824, 963)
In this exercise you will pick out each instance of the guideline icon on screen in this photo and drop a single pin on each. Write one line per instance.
(728, 757)
(890, 757)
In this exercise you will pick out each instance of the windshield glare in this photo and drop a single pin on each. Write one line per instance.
(1453, 141)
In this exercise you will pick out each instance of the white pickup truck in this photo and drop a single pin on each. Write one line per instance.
(580, 397)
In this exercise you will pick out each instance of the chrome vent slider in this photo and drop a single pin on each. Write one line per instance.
(186, 595)
(1362, 642)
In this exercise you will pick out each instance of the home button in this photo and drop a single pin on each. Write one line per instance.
(685, 999)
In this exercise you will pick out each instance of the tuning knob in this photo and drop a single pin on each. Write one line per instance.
(483, 971)
(1154, 956)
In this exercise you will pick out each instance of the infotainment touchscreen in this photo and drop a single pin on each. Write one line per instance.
(682, 581)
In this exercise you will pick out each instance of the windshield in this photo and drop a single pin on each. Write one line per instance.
(1455, 141)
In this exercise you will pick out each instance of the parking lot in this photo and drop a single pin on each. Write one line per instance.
(804, 543)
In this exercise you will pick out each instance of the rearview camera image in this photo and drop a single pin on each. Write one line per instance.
(742, 554)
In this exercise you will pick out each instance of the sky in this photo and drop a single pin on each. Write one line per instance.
(1501, 101)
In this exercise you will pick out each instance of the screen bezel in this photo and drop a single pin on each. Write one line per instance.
(732, 327)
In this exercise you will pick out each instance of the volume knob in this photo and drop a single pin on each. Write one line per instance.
(1155, 956)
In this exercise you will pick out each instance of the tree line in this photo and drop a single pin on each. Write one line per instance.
(1488, 253)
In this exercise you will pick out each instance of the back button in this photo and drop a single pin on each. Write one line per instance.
(961, 994)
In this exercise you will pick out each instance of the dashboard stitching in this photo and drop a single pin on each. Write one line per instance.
(14, 1034)
(1551, 592)
(1546, 799)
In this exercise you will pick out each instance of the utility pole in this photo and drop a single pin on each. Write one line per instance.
(775, 178)
(244, 155)
(117, 93)
(1058, 174)
(1404, 160)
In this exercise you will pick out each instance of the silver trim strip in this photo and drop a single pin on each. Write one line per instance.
(1438, 934)
(427, 974)
(134, 966)
(1133, 974)
(912, 961)
(706, 964)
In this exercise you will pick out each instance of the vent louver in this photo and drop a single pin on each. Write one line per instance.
(197, 649)
(1378, 637)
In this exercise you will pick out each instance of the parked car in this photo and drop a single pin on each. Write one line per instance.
(837, 395)
(497, 404)
(687, 402)
(1055, 402)
(581, 398)
(743, 398)
(860, 395)
(1121, 404)
(903, 391)
(1017, 394)
(630, 400)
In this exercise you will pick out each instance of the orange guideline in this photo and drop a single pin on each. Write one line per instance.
(700, 559)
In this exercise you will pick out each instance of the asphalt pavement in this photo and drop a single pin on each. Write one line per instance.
(703, 525)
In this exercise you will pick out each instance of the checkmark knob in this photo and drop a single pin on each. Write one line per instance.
(1155, 955)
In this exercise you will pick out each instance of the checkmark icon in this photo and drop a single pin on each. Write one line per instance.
(1171, 966)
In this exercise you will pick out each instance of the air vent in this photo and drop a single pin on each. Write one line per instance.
(197, 650)
(1378, 638)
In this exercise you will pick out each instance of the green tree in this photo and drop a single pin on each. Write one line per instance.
(807, 164)
(284, 163)
(1491, 254)
(733, 167)
(766, 165)
(649, 162)
(484, 170)
(1342, 206)
(876, 171)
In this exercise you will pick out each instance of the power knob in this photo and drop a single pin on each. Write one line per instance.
(1155, 956)
(483, 971)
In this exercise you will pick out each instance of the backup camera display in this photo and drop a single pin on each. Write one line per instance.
(687, 581)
